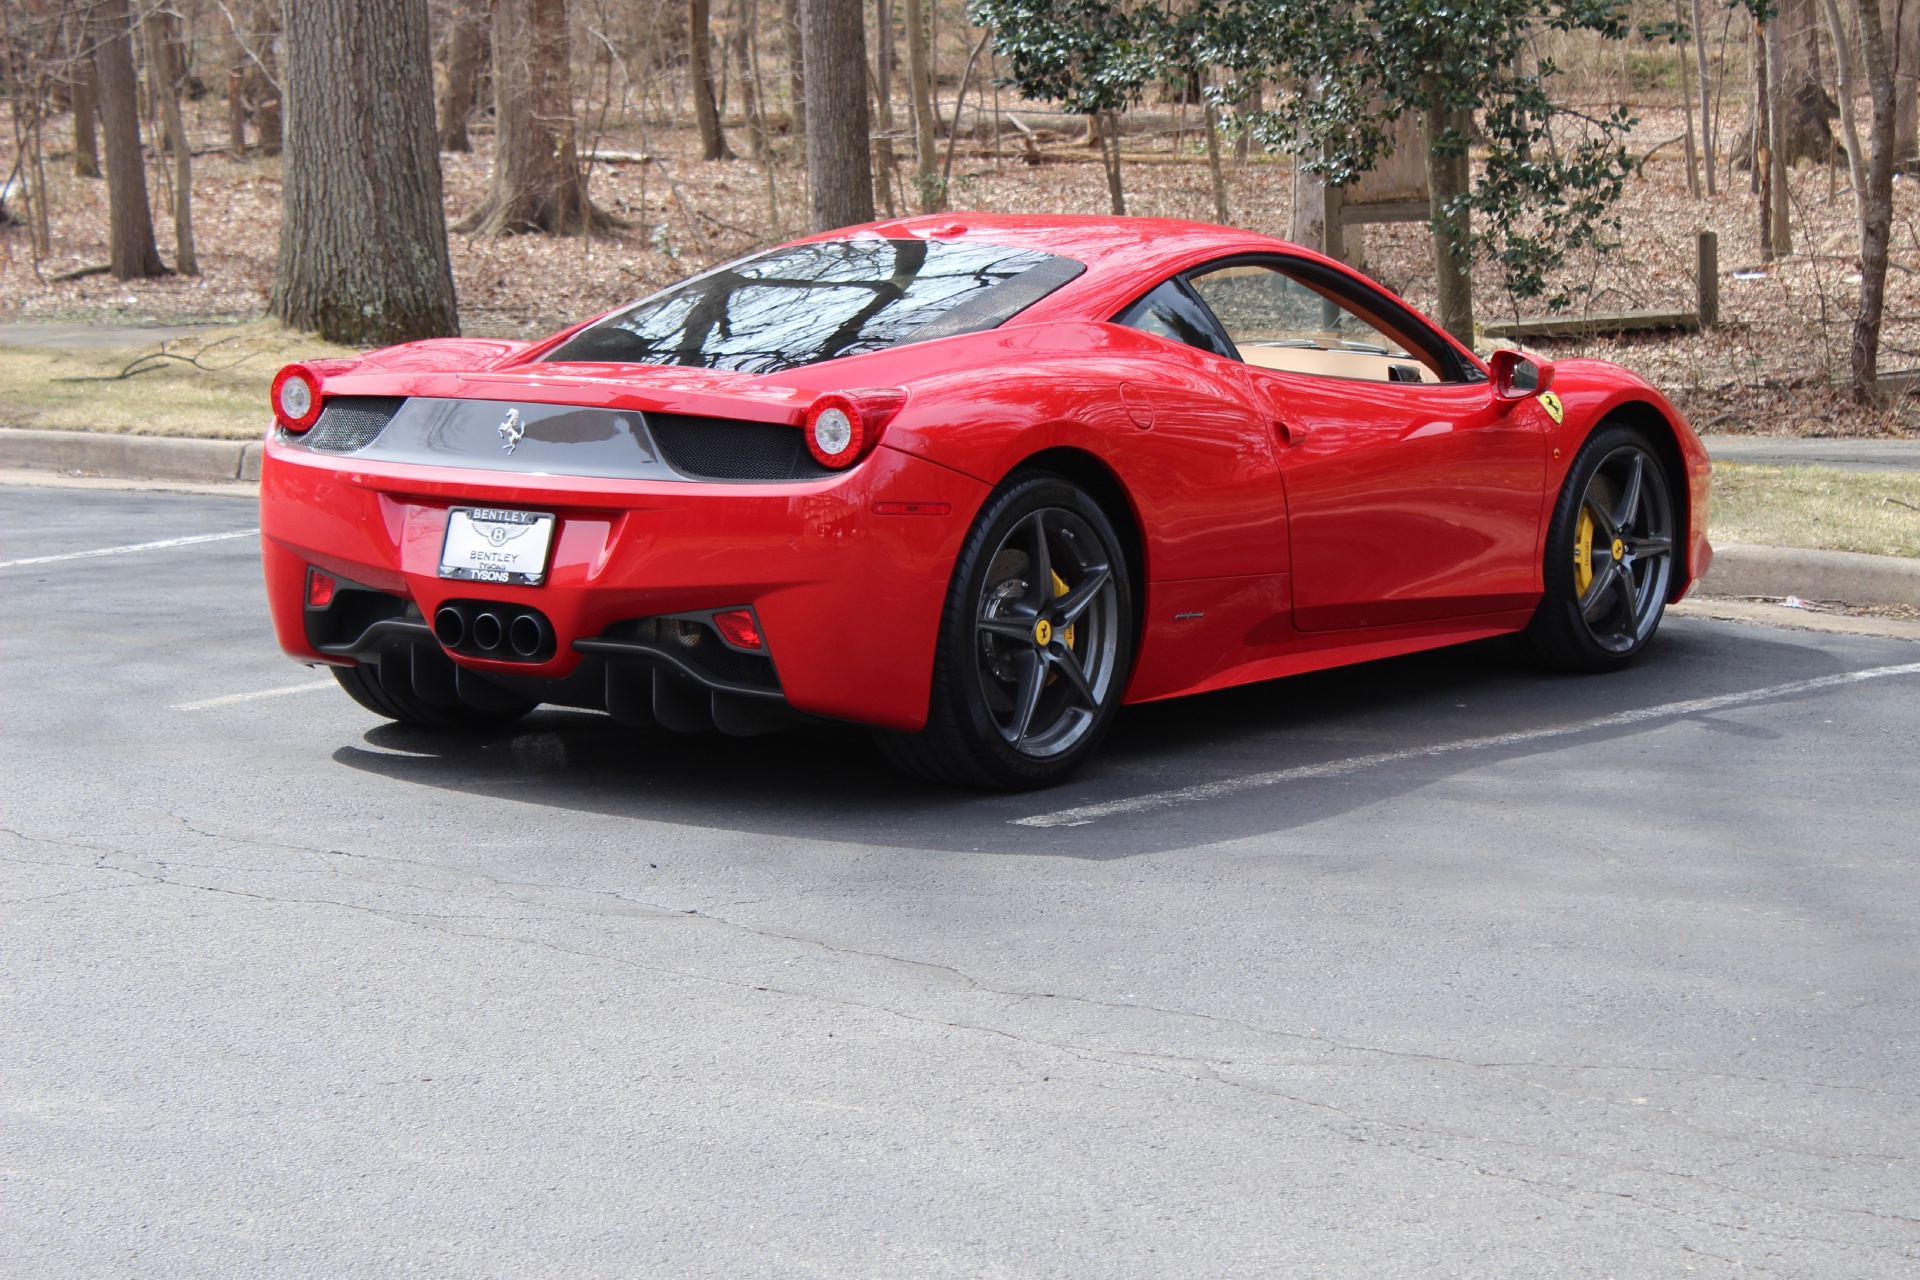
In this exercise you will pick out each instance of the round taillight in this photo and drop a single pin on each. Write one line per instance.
(296, 398)
(836, 430)
(843, 427)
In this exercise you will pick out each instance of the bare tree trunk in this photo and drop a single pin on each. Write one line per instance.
(165, 73)
(1763, 140)
(1686, 102)
(1447, 179)
(839, 162)
(1876, 222)
(763, 144)
(920, 93)
(713, 143)
(1243, 145)
(1109, 122)
(1849, 87)
(959, 102)
(130, 219)
(1803, 110)
(883, 158)
(1779, 140)
(742, 20)
(1903, 18)
(793, 35)
(466, 39)
(1308, 225)
(234, 59)
(86, 150)
(1214, 171)
(263, 95)
(1706, 91)
(363, 239)
(537, 182)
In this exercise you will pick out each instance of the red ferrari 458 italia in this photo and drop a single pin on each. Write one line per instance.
(973, 482)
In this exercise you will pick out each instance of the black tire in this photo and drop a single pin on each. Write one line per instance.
(1026, 680)
(1615, 516)
(364, 685)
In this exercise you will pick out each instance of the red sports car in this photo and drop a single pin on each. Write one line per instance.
(974, 482)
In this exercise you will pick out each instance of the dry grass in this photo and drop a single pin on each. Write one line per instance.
(1766, 369)
(211, 385)
(1817, 507)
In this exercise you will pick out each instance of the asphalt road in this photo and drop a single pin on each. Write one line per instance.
(1435, 967)
(1815, 451)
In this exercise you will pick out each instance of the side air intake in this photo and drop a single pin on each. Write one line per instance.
(351, 423)
(731, 449)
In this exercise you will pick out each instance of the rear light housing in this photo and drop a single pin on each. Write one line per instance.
(739, 628)
(296, 397)
(320, 589)
(843, 427)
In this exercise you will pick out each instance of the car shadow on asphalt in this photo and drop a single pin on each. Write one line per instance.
(828, 782)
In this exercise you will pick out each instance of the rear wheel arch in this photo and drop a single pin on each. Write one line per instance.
(1092, 474)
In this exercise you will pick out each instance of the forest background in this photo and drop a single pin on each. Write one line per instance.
(197, 162)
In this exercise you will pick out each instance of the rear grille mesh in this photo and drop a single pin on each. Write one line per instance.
(729, 449)
(348, 423)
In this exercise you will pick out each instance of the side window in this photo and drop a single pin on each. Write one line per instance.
(1170, 312)
(1278, 322)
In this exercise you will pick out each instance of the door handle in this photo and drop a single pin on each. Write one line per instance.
(1289, 433)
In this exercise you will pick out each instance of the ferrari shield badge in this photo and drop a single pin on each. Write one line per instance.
(1551, 403)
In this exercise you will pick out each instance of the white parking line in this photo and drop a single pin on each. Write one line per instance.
(138, 546)
(228, 699)
(1084, 814)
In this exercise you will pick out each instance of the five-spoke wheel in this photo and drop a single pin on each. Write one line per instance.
(1609, 555)
(1047, 642)
(1035, 644)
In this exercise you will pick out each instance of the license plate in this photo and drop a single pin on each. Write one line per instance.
(488, 545)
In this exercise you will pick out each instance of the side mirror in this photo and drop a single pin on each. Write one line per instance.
(1515, 376)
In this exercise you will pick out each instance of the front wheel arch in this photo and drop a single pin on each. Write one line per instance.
(1659, 430)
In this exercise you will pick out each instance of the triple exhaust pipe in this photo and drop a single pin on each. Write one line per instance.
(503, 632)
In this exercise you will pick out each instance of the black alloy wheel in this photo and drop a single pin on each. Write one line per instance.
(1036, 644)
(1610, 556)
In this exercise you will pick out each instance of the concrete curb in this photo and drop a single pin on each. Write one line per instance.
(1774, 615)
(131, 457)
(1847, 576)
(1738, 570)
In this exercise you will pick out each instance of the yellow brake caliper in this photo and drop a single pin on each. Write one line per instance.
(1066, 637)
(1583, 554)
(1060, 589)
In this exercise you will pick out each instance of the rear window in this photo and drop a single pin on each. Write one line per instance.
(811, 302)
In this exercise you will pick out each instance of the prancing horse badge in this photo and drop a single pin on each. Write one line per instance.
(511, 430)
(1548, 401)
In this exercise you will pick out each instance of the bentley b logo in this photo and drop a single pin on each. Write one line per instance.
(511, 430)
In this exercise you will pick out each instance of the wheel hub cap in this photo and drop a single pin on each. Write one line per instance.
(1043, 632)
(1619, 549)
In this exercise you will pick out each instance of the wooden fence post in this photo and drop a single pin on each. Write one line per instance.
(1707, 264)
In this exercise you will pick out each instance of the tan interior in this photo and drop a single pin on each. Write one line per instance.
(1363, 366)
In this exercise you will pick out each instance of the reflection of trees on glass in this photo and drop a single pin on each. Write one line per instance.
(810, 302)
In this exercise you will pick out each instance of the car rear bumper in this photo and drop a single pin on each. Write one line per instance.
(846, 576)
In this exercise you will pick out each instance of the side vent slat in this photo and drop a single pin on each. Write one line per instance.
(731, 449)
(350, 423)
